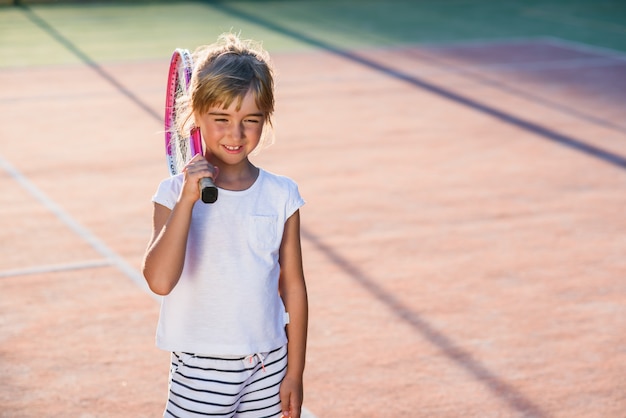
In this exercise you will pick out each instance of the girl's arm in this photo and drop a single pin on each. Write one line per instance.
(165, 256)
(293, 292)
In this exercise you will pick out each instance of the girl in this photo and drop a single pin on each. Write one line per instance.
(234, 312)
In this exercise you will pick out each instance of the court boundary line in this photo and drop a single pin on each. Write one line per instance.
(564, 64)
(55, 268)
(479, 43)
(87, 236)
(582, 47)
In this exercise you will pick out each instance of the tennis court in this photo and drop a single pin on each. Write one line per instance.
(464, 166)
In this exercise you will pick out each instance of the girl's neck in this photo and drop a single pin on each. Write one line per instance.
(237, 178)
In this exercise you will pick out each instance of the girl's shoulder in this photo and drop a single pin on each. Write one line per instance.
(281, 188)
(168, 191)
(277, 179)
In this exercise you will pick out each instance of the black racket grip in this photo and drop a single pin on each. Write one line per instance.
(208, 191)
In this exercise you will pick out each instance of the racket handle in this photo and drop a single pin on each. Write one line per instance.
(208, 191)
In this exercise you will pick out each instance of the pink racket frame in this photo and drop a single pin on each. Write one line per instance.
(181, 63)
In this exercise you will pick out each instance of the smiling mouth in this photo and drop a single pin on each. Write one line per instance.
(232, 148)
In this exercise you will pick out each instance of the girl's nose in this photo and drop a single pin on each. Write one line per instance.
(237, 131)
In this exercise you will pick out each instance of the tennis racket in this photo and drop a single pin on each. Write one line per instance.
(181, 145)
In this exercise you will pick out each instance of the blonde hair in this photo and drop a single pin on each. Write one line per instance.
(224, 72)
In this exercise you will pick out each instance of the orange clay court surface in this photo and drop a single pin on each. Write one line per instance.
(464, 234)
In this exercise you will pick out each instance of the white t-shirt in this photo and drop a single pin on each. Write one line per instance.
(226, 301)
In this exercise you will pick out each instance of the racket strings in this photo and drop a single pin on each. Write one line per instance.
(180, 150)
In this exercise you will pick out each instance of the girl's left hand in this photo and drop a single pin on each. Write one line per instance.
(291, 394)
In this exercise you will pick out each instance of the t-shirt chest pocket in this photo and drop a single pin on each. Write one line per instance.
(263, 232)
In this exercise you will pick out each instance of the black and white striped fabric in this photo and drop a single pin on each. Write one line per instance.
(242, 387)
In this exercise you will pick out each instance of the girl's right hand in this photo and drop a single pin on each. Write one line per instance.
(197, 168)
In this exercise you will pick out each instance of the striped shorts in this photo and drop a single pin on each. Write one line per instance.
(242, 387)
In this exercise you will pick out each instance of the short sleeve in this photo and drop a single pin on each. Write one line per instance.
(168, 191)
(295, 201)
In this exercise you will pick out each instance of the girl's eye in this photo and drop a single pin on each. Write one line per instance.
(252, 121)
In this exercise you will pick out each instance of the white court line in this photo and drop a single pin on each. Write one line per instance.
(306, 413)
(548, 40)
(565, 64)
(480, 42)
(53, 268)
(111, 256)
(581, 47)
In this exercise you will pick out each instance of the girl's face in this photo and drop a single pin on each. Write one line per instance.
(230, 135)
